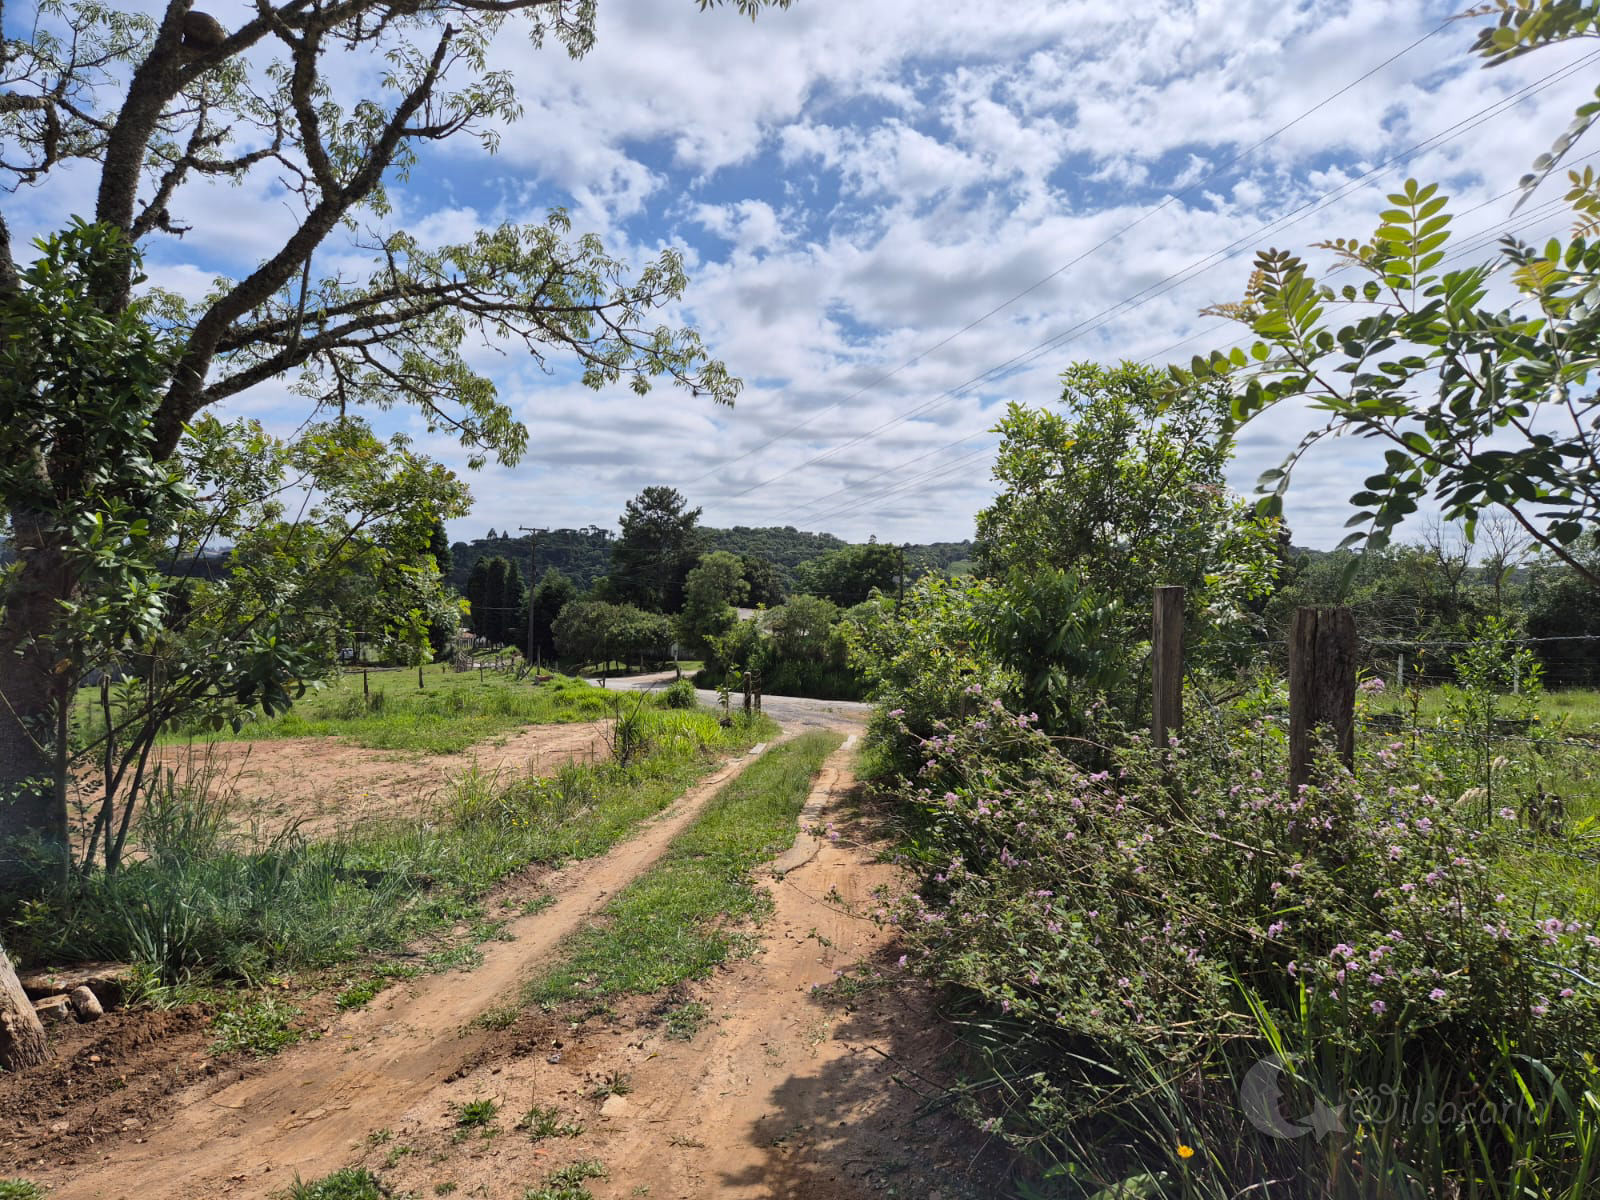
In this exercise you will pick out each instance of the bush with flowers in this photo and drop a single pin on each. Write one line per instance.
(1131, 942)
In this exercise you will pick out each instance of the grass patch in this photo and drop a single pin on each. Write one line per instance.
(547, 1121)
(20, 1189)
(226, 907)
(261, 1027)
(567, 1183)
(685, 915)
(349, 1183)
(453, 712)
(687, 1020)
(472, 1114)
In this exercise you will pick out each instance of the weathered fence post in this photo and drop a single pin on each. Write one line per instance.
(1166, 640)
(747, 693)
(1322, 687)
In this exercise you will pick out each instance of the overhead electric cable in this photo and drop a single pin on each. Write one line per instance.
(1037, 284)
(1201, 266)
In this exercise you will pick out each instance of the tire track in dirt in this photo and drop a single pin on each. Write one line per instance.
(787, 1094)
(306, 1113)
(790, 1097)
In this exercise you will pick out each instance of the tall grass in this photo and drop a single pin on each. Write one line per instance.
(199, 899)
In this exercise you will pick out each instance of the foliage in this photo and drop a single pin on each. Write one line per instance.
(691, 911)
(497, 600)
(679, 694)
(261, 1027)
(347, 1183)
(595, 631)
(582, 555)
(1468, 374)
(205, 899)
(1126, 489)
(764, 579)
(553, 593)
(796, 649)
(710, 592)
(146, 119)
(1562, 605)
(802, 629)
(20, 1189)
(471, 1113)
(454, 713)
(1132, 941)
(924, 666)
(659, 544)
(848, 575)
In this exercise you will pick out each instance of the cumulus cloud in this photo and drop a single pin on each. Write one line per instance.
(900, 215)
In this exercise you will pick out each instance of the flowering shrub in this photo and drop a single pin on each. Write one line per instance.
(1187, 915)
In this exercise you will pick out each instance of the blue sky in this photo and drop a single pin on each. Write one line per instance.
(855, 184)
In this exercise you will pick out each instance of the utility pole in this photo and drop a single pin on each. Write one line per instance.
(900, 597)
(533, 579)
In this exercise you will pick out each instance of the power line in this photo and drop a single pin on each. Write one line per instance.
(1138, 299)
(1096, 248)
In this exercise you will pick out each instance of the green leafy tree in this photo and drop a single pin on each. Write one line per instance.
(1481, 405)
(496, 598)
(658, 546)
(439, 548)
(710, 593)
(849, 575)
(802, 629)
(147, 113)
(477, 595)
(594, 631)
(1126, 490)
(765, 579)
(553, 593)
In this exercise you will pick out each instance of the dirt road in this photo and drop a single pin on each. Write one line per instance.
(788, 1082)
(309, 1111)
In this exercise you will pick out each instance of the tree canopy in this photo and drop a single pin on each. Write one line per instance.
(151, 111)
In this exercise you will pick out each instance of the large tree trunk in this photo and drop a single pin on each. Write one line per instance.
(34, 681)
(22, 1041)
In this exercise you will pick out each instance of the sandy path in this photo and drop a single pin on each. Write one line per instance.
(785, 1095)
(326, 784)
(308, 1112)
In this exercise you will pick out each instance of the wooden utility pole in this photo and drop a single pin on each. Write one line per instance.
(533, 579)
(1322, 687)
(1166, 640)
(900, 597)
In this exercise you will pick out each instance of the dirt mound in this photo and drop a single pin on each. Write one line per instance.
(107, 1080)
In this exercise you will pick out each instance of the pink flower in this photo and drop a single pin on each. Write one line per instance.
(1437, 994)
(1379, 1007)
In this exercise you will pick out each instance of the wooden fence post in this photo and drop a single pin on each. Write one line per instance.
(1166, 640)
(1322, 687)
(747, 693)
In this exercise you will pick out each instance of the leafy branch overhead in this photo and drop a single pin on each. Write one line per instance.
(1481, 405)
(112, 470)
(163, 107)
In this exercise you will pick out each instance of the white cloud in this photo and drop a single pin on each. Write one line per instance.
(853, 185)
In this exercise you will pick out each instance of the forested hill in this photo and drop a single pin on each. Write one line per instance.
(784, 545)
(584, 555)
